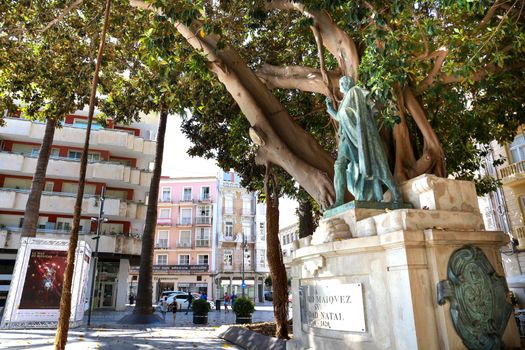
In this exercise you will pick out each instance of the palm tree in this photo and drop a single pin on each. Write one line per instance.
(39, 181)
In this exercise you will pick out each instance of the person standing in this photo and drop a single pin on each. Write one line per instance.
(233, 298)
(174, 309)
(226, 301)
(164, 307)
(204, 296)
(190, 300)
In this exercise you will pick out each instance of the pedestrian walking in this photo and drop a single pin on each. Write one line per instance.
(164, 307)
(233, 298)
(190, 300)
(204, 296)
(174, 309)
(226, 301)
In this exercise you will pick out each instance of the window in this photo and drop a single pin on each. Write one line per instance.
(162, 259)
(185, 238)
(203, 259)
(262, 231)
(49, 187)
(164, 213)
(166, 194)
(162, 239)
(92, 157)
(186, 194)
(247, 232)
(203, 215)
(517, 149)
(262, 258)
(74, 154)
(205, 193)
(36, 151)
(247, 258)
(185, 216)
(228, 257)
(228, 229)
(228, 205)
(202, 238)
(184, 259)
(246, 206)
(64, 224)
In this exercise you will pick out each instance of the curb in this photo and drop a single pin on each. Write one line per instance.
(248, 339)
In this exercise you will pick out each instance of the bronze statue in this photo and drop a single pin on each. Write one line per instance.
(361, 162)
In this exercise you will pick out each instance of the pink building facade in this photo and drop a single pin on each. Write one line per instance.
(184, 235)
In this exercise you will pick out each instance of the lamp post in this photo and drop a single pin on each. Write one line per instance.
(243, 285)
(97, 220)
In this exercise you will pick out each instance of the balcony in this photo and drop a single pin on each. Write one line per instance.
(161, 245)
(202, 243)
(176, 269)
(164, 221)
(165, 200)
(186, 200)
(248, 212)
(112, 244)
(184, 244)
(114, 174)
(203, 220)
(63, 203)
(112, 140)
(513, 173)
(185, 222)
(205, 199)
(228, 211)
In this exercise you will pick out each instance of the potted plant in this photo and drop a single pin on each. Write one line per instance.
(200, 308)
(243, 308)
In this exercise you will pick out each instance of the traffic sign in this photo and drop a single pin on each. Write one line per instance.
(243, 285)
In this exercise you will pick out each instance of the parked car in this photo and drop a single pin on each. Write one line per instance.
(170, 294)
(182, 300)
(268, 295)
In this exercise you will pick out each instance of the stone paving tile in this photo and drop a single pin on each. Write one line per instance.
(105, 333)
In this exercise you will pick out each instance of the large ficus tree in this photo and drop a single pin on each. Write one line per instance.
(444, 75)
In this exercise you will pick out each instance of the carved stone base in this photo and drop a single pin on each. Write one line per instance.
(397, 258)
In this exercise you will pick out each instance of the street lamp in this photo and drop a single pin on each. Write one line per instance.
(97, 220)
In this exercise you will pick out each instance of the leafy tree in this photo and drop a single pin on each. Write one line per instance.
(442, 74)
(65, 297)
(150, 85)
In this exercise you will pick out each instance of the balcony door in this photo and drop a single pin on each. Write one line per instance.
(185, 216)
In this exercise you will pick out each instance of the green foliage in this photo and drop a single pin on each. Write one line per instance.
(243, 306)
(200, 307)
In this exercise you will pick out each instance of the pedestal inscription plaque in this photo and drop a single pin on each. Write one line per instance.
(335, 307)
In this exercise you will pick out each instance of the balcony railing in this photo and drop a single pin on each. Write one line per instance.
(513, 169)
(186, 199)
(184, 222)
(205, 198)
(183, 244)
(176, 268)
(247, 212)
(228, 210)
(165, 200)
(48, 231)
(161, 245)
(203, 220)
(164, 221)
(202, 243)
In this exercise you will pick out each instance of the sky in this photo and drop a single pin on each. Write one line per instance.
(177, 163)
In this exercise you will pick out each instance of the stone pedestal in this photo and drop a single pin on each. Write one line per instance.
(396, 257)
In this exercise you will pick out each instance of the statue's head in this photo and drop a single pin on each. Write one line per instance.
(346, 83)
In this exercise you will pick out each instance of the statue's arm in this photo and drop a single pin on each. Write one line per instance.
(330, 108)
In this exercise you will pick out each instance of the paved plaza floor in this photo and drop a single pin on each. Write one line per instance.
(107, 334)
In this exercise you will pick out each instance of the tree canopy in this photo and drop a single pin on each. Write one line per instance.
(444, 75)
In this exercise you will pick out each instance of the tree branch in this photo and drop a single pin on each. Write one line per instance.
(490, 13)
(440, 55)
(296, 77)
(64, 13)
(336, 41)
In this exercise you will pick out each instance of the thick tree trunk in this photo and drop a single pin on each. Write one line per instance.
(145, 291)
(275, 256)
(306, 217)
(65, 299)
(39, 181)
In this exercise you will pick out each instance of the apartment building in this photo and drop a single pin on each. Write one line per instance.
(505, 208)
(186, 223)
(287, 235)
(119, 159)
(241, 240)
